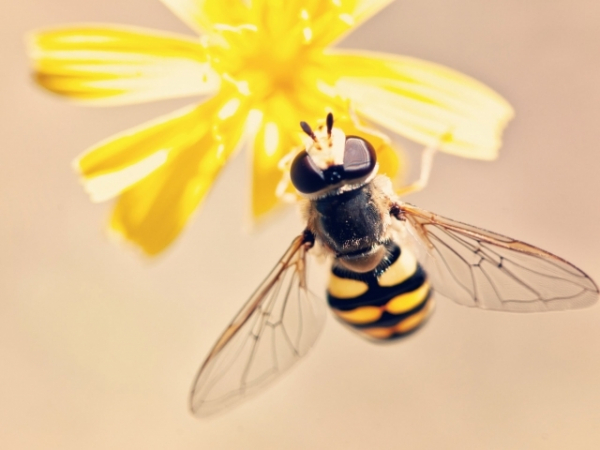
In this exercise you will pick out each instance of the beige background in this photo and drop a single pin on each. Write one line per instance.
(98, 347)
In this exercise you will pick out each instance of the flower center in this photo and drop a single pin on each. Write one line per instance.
(259, 63)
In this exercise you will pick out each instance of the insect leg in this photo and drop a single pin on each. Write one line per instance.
(353, 115)
(426, 165)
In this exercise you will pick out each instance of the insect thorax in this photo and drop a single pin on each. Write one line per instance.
(348, 222)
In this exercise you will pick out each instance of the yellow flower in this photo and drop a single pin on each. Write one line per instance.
(266, 65)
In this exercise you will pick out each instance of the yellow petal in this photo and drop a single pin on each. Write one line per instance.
(118, 162)
(110, 65)
(154, 211)
(332, 20)
(425, 102)
(277, 136)
(203, 15)
(365, 9)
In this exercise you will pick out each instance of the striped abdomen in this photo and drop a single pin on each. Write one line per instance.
(387, 303)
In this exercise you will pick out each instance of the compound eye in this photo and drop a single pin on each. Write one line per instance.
(359, 157)
(306, 176)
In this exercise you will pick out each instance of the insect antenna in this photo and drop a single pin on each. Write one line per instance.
(308, 130)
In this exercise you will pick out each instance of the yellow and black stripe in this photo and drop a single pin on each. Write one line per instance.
(386, 303)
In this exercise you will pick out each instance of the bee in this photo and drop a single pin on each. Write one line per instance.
(387, 256)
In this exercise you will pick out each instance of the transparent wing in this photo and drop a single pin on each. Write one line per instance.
(478, 268)
(276, 327)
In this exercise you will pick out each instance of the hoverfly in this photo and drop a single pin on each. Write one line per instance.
(378, 286)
